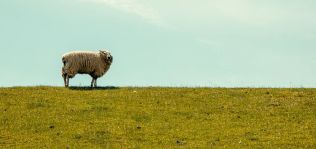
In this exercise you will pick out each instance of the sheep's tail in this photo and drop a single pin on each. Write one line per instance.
(64, 61)
(63, 72)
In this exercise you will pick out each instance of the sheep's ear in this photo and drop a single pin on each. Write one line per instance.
(101, 52)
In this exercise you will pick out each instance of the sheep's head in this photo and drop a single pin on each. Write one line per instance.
(107, 56)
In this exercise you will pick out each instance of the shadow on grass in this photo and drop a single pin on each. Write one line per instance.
(93, 88)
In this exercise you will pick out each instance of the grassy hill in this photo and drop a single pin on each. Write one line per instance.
(56, 117)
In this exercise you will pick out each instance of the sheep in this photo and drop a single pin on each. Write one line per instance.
(96, 64)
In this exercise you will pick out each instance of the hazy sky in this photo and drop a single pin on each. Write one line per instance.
(227, 43)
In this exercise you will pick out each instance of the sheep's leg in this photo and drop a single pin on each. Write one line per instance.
(92, 82)
(64, 74)
(95, 82)
(67, 81)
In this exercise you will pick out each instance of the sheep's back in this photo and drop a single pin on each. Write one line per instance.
(82, 61)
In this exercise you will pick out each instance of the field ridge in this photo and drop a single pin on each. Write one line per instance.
(157, 117)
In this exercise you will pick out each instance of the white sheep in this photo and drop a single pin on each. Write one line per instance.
(96, 64)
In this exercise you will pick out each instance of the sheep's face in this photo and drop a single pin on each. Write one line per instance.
(107, 56)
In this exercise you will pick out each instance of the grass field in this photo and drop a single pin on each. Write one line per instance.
(56, 117)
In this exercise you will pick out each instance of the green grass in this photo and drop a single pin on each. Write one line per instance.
(56, 117)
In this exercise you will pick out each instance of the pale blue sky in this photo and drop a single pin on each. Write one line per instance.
(226, 43)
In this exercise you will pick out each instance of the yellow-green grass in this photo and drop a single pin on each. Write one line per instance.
(132, 117)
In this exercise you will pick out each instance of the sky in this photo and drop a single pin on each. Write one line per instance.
(202, 43)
